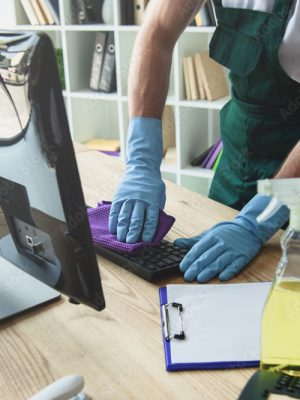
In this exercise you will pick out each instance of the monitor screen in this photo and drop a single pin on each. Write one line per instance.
(44, 228)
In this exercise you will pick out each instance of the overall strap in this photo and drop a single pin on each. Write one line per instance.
(218, 3)
(282, 8)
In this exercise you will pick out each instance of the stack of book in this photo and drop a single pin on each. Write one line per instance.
(103, 72)
(42, 12)
(204, 78)
(206, 16)
(210, 158)
(110, 147)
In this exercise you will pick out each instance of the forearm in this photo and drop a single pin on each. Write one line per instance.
(149, 76)
(151, 61)
(291, 166)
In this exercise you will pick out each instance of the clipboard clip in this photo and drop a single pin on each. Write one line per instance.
(166, 321)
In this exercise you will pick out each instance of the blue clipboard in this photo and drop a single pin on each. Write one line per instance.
(170, 366)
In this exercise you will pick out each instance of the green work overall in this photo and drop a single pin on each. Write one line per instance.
(261, 123)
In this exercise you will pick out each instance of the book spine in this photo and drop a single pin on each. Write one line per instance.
(199, 78)
(192, 79)
(209, 155)
(198, 19)
(29, 11)
(199, 160)
(38, 12)
(207, 158)
(211, 12)
(216, 164)
(108, 73)
(186, 79)
(54, 10)
(97, 63)
(127, 12)
(201, 67)
(205, 16)
(46, 12)
(81, 17)
(214, 155)
(139, 11)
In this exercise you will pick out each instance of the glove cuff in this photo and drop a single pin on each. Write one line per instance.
(268, 228)
(145, 144)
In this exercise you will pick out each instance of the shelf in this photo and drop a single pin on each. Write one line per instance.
(90, 28)
(212, 105)
(128, 28)
(198, 172)
(170, 101)
(90, 94)
(190, 29)
(169, 168)
(197, 184)
(105, 115)
(199, 29)
(39, 28)
(94, 119)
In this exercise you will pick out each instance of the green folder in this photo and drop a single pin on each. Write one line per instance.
(215, 166)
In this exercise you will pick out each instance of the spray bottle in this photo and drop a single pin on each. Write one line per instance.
(280, 343)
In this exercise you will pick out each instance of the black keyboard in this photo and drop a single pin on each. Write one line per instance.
(150, 264)
(262, 383)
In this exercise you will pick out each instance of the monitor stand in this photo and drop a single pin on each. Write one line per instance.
(20, 292)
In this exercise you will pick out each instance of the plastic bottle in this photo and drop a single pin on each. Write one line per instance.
(280, 339)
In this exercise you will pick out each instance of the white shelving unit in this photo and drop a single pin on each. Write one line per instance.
(93, 114)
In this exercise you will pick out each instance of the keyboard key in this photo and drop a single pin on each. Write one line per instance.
(174, 258)
(151, 267)
(284, 380)
(161, 264)
(168, 261)
(140, 262)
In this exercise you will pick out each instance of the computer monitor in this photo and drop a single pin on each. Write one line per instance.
(44, 229)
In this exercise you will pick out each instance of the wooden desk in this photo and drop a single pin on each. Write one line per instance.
(119, 351)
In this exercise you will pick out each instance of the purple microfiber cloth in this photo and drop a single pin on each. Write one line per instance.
(98, 218)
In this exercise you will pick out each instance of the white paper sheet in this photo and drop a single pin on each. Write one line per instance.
(222, 322)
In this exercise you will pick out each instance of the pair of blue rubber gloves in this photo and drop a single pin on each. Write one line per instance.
(223, 251)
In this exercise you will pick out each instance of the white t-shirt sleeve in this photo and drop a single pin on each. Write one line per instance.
(259, 5)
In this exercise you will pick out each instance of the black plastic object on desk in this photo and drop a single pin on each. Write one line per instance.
(151, 264)
(44, 226)
(265, 383)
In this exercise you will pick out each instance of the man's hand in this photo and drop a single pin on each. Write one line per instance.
(225, 249)
(135, 208)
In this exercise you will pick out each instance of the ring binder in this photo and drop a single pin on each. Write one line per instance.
(108, 75)
(166, 319)
(98, 57)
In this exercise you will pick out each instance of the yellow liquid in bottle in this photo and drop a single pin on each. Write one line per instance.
(280, 345)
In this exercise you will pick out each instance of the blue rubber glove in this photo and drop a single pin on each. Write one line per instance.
(135, 207)
(226, 248)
